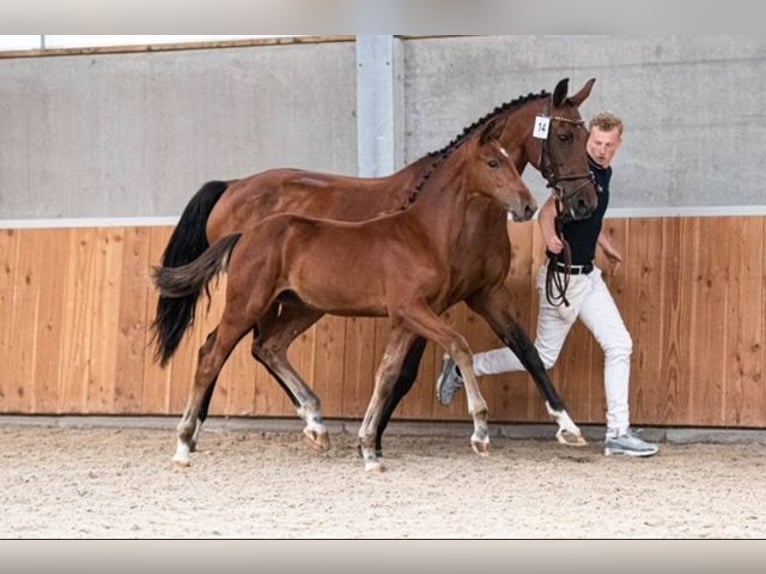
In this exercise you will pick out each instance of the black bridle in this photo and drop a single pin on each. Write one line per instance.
(550, 168)
(556, 283)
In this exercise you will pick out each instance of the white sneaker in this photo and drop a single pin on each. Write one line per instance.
(630, 445)
(449, 382)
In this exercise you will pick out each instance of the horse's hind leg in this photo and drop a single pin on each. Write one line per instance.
(275, 334)
(212, 355)
(203, 413)
(404, 382)
(399, 342)
(279, 327)
(495, 307)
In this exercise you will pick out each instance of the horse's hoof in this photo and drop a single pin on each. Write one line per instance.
(374, 466)
(318, 440)
(181, 463)
(571, 439)
(480, 447)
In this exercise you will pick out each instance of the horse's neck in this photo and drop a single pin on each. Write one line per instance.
(442, 201)
(517, 136)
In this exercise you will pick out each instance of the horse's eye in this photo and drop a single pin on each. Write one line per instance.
(567, 137)
(493, 163)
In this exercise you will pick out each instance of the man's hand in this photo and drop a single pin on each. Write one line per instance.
(614, 258)
(554, 244)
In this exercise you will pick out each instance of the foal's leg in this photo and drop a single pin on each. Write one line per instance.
(422, 320)
(495, 306)
(275, 334)
(396, 348)
(212, 355)
(203, 412)
(404, 382)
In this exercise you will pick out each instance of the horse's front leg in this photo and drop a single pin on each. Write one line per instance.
(422, 320)
(495, 307)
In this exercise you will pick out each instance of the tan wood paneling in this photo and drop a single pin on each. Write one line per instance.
(77, 305)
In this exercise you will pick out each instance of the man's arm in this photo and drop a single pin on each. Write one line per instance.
(611, 252)
(546, 219)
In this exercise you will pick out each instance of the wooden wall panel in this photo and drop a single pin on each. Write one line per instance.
(674, 355)
(745, 315)
(8, 267)
(155, 390)
(77, 305)
(132, 334)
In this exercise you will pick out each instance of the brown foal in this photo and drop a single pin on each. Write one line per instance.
(396, 265)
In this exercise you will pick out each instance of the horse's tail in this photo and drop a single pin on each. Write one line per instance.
(190, 279)
(188, 241)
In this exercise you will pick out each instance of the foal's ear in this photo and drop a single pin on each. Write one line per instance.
(560, 92)
(580, 96)
(493, 130)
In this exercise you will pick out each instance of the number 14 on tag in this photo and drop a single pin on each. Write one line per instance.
(542, 123)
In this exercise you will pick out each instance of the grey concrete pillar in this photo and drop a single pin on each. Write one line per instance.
(379, 105)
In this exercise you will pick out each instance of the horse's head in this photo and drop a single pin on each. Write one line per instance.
(561, 136)
(493, 173)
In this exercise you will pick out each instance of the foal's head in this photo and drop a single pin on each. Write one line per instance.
(494, 174)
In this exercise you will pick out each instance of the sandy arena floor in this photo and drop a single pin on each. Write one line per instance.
(119, 483)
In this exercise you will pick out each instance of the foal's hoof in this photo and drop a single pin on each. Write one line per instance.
(374, 466)
(569, 438)
(480, 447)
(318, 440)
(181, 463)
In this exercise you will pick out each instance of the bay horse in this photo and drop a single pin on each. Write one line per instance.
(479, 265)
(395, 265)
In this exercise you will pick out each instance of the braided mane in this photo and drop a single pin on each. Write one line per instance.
(443, 153)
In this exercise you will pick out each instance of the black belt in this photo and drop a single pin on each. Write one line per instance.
(574, 269)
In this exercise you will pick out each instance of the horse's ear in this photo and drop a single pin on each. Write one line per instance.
(493, 130)
(580, 96)
(560, 92)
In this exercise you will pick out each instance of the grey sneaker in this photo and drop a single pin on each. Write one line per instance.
(449, 382)
(629, 444)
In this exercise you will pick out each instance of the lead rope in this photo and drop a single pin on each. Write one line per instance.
(556, 284)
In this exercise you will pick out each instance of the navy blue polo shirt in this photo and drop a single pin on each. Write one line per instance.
(582, 235)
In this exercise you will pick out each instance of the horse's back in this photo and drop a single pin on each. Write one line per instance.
(315, 194)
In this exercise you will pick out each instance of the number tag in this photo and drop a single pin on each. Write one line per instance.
(541, 127)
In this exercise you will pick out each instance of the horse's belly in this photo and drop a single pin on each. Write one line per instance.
(330, 290)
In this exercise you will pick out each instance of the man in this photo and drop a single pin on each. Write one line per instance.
(588, 297)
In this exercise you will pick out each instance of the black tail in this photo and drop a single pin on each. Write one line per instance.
(188, 241)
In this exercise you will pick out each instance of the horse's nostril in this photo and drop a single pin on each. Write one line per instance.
(582, 207)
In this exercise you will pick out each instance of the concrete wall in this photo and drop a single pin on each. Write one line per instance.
(693, 106)
(134, 135)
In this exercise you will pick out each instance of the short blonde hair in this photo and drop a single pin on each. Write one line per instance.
(606, 121)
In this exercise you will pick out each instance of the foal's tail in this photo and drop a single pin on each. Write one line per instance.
(190, 279)
(188, 241)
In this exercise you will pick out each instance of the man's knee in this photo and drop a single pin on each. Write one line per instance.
(548, 358)
(620, 346)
